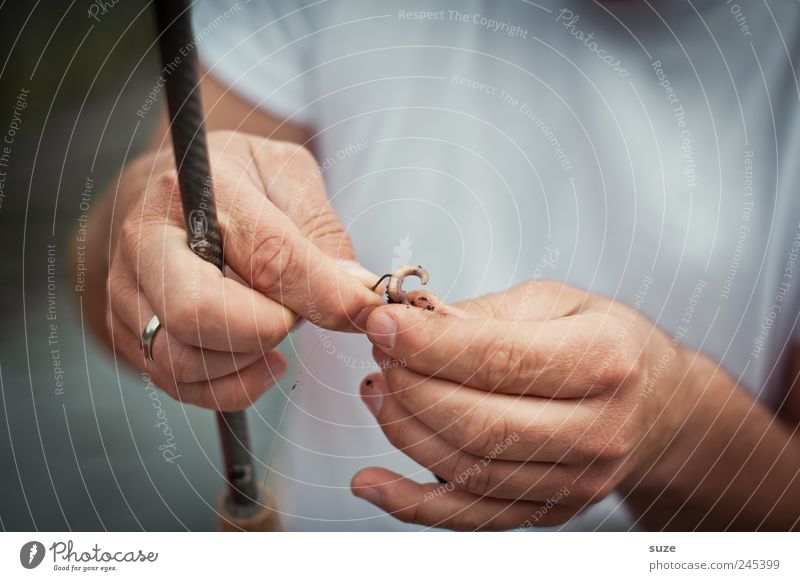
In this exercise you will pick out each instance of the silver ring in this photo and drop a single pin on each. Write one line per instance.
(149, 333)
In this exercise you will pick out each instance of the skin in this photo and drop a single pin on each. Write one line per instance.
(394, 287)
(536, 402)
(286, 251)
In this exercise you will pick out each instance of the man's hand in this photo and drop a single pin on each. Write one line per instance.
(531, 403)
(284, 248)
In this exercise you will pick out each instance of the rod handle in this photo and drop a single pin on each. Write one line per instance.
(265, 519)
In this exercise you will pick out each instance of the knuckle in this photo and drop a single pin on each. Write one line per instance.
(271, 261)
(235, 394)
(609, 448)
(205, 303)
(504, 363)
(335, 314)
(130, 236)
(616, 360)
(271, 334)
(479, 432)
(591, 488)
(420, 341)
(118, 289)
(237, 398)
(528, 291)
(399, 384)
(618, 447)
(534, 436)
(184, 364)
(110, 326)
(114, 280)
(166, 183)
(469, 474)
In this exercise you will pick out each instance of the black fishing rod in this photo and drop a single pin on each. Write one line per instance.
(244, 505)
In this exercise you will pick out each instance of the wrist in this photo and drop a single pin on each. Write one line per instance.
(680, 419)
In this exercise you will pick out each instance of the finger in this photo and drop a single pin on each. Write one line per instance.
(556, 358)
(505, 426)
(235, 391)
(397, 423)
(199, 306)
(437, 505)
(172, 358)
(270, 252)
(482, 475)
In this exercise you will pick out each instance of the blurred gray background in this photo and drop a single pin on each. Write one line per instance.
(85, 455)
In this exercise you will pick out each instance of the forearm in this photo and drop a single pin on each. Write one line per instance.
(733, 464)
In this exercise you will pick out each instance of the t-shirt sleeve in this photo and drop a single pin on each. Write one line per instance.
(260, 50)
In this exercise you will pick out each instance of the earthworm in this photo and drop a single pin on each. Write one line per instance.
(394, 288)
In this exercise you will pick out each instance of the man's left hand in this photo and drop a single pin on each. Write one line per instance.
(531, 404)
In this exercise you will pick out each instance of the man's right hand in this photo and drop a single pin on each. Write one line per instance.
(284, 249)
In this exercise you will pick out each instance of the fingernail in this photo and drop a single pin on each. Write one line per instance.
(360, 321)
(381, 329)
(370, 494)
(372, 393)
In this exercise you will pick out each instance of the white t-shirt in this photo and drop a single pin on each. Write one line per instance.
(648, 154)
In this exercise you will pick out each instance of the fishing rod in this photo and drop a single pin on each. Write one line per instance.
(243, 505)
